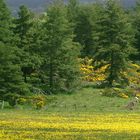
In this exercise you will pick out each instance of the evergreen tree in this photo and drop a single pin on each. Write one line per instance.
(61, 63)
(82, 17)
(5, 19)
(72, 10)
(136, 23)
(26, 26)
(10, 74)
(113, 37)
(84, 28)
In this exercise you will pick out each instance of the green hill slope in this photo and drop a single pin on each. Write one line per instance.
(88, 100)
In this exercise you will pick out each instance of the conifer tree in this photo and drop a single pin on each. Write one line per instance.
(113, 38)
(83, 29)
(82, 18)
(136, 24)
(26, 26)
(11, 80)
(72, 11)
(62, 65)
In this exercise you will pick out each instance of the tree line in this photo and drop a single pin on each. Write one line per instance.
(42, 51)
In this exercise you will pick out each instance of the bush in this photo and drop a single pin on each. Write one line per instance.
(39, 101)
(117, 92)
(21, 101)
(129, 92)
(39, 105)
(11, 99)
(109, 92)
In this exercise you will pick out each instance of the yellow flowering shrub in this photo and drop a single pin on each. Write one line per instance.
(21, 101)
(138, 95)
(133, 73)
(118, 92)
(89, 73)
(123, 95)
(39, 101)
(39, 104)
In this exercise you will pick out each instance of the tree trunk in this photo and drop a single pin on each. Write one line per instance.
(51, 75)
(111, 78)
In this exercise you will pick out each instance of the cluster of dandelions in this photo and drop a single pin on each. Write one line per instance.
(55, 126)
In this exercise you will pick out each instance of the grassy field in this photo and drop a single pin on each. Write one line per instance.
(19, 125)
(85, 115)
(89, 100)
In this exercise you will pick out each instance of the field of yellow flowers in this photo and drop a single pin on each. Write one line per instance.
(23, 125)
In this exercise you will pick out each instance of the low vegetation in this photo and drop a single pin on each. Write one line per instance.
(81, 115)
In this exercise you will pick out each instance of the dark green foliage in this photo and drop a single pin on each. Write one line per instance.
(136, 24)
(72, 11)
(113, 37)
(10, 74)
(11, 77)
(23, 25)
(44, 50)
(11, 99)
(61, 53)
(26, 28)
(5, 19)
(80, 17)
(84, 28)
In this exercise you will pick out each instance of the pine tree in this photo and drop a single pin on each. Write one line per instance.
(83, 29)
(136, 23)
(60, 51)
(113, 37)
(82, 17)
(10, 74)
(72, 11)
(26, 26)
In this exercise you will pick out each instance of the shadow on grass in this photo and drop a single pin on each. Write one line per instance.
(74, 134)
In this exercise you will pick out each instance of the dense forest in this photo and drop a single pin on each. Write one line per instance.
(68, 46)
